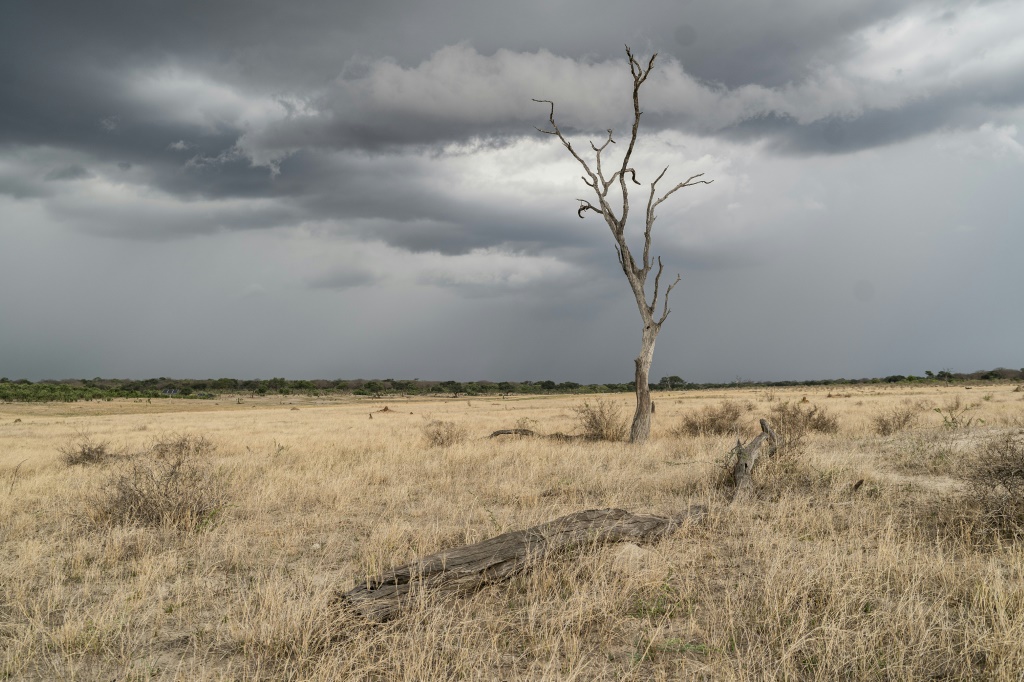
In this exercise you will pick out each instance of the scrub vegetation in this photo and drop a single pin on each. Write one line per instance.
(208, 540)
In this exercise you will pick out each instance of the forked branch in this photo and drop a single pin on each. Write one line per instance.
(688, 183)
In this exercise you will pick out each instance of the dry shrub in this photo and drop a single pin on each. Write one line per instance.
(712, 420)
(86, 451)
(955, 414)
(792, 422)
(601, 420)
(444, 434)
(896, 419)
(995, 484)
(169, 484)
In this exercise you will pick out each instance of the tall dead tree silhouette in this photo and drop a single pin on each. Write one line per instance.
(636, 273)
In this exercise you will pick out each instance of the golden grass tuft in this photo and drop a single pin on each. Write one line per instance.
(895, 419)
(444, 434)
(601, 420)
(712, 420)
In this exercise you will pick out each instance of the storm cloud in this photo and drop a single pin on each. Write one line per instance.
(370, 174)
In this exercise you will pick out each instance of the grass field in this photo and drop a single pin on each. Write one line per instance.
(815, 576)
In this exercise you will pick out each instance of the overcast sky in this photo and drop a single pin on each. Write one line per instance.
(325, 189)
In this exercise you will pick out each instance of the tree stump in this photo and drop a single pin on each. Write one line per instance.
(466, 569)
(747, 456)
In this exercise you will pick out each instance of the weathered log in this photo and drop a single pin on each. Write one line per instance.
(747, 456)
(462, 570)
(512, 432)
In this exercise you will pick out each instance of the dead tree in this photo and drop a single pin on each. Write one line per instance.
(636, 273)
(463, 570)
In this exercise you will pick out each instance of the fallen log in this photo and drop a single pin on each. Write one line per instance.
(561, 437)
(466, 569)
(512, 432)
(747, 456)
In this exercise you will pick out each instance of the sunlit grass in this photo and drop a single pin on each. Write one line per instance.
(813, 577)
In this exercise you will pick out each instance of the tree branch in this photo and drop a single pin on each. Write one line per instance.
(689, 183)
(597, 152)
(613, 223)
(586, 206)
(667, 310)
(657, 282)
(639, 76)
(615, 176)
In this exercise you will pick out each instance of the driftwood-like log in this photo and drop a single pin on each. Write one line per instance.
(747, 456)
(512, 432)
(462, 570)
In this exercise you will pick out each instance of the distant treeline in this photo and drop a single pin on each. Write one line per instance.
(71, 390)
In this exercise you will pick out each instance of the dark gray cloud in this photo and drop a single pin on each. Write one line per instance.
(72, 172)
(282, 158)
(340, 280)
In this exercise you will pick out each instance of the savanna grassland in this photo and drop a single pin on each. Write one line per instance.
(858, 556)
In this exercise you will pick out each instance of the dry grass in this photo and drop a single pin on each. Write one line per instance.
(712, 420)
(995, 484)
(83, 451)
(444, 434)
(601, 420)
(811, 578)
(170, 484)
(896, 419)
(794, 423)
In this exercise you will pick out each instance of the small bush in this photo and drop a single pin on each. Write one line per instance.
(84, 451)
(954, 414)
(526, 424)
(792, 422)
(444, 434)
(895, 420)
(601, 420)
(169, 484)
(995, 484)
(712, 420)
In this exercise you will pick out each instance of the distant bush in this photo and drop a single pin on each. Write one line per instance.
(712, 420)
(601, 420)
(955, 414)
(85, 451)
(444, 433)
(168, 484)
(896, 419)
(995, 484)
(792, 423)
(792, 417)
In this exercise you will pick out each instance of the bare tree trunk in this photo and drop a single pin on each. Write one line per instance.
(641, 429)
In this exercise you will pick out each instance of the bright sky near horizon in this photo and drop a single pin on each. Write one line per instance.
(322, 189)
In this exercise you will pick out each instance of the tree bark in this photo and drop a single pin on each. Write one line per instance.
(641, 428)
(747, 456)
(463, 570)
